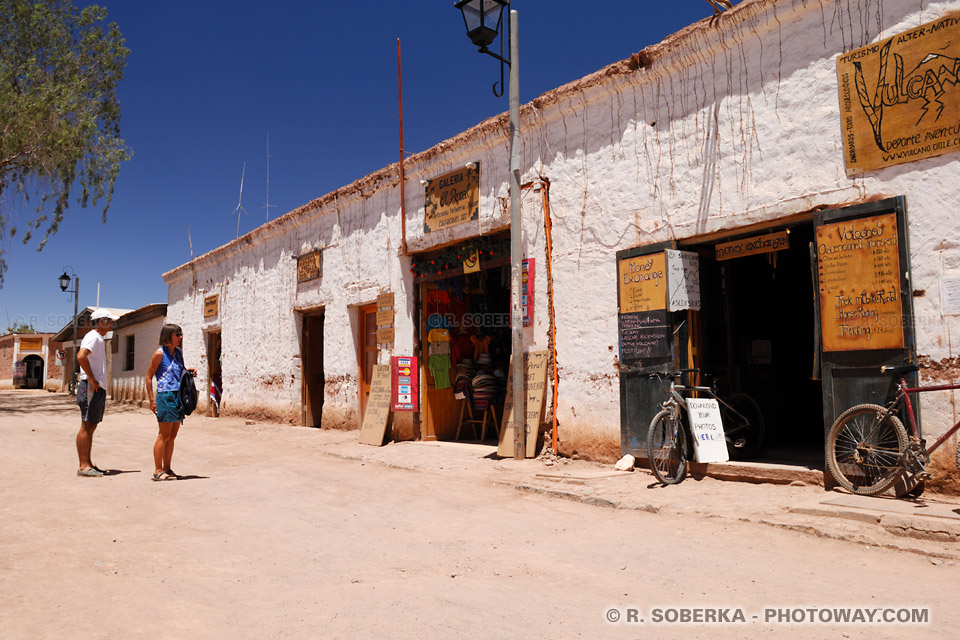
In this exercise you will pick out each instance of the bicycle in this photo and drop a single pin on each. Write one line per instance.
(868, 448)
(669, 438)
(72, 384)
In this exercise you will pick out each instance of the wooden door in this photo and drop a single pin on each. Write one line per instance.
(313, 377)
(367, 352)
(865, 302)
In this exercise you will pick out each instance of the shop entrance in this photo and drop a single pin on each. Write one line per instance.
(311, 358)
(464, 311)
(758, 335)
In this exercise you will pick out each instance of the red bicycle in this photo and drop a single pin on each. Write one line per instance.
(868, 448)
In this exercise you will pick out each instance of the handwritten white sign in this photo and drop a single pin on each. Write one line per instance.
(683, 280)
(709, 443)
(950, 295)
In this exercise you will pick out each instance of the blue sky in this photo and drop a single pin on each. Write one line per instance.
(207, 81)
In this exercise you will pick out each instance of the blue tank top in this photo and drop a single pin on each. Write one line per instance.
(169, 372)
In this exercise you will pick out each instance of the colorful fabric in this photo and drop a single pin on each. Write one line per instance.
(440, 368)
(438, 349)
(438, 335)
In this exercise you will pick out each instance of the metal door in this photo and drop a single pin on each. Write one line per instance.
(641, 392)
(865, 302)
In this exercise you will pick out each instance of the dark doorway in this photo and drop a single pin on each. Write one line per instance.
(758, 336)
(215, 372)
(34, 372)
(311, 358)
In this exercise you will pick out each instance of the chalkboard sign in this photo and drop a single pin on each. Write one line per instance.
(644, 334)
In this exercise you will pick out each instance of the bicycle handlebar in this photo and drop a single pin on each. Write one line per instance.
(899, 370)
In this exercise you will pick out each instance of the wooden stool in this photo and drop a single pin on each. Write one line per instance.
(473, 421)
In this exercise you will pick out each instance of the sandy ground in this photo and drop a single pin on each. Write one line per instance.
(271, 536)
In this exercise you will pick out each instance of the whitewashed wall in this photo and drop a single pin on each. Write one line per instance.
(733, 121)
(128, 385)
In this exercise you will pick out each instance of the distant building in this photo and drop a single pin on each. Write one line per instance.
(136, 336)
(29, 361)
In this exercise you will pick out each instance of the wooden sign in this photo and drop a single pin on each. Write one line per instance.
(899, 98)
(405, 385)
(709, 441)
(385, 335)
(452, 199)
(644, 334)
(310, 265)
(534, 388)
(642, 282)
(385, 300)
(753, 246)
(858, 263)
(384, 317)
(683, 280)
(377, 415)
(31, 344)
(211, 306)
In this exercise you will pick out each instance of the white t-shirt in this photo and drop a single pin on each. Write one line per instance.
(93, 342)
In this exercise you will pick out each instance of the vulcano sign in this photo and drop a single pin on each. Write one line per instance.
(452, 198)
(899, 98)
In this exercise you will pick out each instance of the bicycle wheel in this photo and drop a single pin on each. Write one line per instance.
(667, 447)
(865, 449)
(745, 429)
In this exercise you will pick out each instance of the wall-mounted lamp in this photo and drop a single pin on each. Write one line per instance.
(424, 182)
(471, 165)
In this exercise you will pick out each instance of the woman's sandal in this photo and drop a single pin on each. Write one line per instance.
(173, 474)
(164, 475)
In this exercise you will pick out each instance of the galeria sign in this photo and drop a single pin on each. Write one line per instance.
(451, 199)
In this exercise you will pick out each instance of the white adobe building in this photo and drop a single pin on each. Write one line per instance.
(733, 132)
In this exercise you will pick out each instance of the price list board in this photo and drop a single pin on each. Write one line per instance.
(858, 264)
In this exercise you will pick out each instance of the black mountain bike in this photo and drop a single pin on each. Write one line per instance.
(669, 441)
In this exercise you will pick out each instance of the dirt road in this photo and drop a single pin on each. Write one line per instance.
(269, 537)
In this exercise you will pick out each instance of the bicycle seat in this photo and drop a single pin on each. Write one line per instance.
(899, 370)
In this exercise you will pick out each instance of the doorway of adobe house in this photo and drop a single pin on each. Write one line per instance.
(311, 357)
(756, 333)
(214, 372)
(367, 351)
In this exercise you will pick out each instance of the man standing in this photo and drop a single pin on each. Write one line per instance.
(91, 392)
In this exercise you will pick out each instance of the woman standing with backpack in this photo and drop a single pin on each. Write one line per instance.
(167, 367)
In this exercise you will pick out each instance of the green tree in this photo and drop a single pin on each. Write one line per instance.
(59, 115)
(21, 327)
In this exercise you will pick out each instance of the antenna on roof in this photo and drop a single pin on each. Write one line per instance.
(268, 205)
(240, 208)
(190, 240)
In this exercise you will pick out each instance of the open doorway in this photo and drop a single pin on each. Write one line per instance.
(311, 357)
(34, 372)
(214, 372)
(757, 335)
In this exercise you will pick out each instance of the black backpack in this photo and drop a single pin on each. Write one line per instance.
(188, 389)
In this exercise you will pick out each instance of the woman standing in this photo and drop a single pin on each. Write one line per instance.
(166, 366)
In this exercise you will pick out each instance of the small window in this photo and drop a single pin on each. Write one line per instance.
(130, 351)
